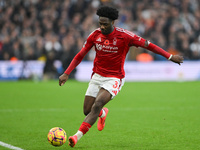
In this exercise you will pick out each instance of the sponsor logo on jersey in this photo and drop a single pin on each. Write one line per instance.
(99, 47)
(107, 48)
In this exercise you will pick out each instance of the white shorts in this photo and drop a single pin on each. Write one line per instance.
(111, 84)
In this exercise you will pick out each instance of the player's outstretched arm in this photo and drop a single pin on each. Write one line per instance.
(63, 78)
(177, 59)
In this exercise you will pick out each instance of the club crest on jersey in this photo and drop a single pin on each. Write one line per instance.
(114, 41)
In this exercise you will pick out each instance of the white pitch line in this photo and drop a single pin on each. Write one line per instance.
(9, 146)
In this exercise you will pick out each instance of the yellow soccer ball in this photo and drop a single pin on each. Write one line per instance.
(57, 136)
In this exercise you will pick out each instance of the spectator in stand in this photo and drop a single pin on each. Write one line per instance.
(68, 52)
(17, 48)
(50, 70)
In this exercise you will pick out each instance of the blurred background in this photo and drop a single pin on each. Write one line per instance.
(39, 38)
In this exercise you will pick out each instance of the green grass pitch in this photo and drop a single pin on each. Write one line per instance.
(144, 116)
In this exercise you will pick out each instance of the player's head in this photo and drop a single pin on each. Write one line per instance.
(107, 16)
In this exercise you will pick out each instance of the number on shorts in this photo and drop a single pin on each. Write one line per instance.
(116, 85)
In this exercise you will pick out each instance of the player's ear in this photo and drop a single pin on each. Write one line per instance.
(112, 22)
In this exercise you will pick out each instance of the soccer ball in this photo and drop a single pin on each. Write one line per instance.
(57, 136)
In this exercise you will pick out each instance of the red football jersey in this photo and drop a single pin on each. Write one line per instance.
(111, 51)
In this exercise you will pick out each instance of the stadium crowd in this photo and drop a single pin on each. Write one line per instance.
(57, 29)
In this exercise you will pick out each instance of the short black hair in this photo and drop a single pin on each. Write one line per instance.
(108, 12)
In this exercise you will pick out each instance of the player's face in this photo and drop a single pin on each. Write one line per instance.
(106, 25)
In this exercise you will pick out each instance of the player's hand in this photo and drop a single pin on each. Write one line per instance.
(63, 78)
(177, 59)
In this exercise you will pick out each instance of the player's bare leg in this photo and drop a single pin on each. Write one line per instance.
(102, 98)
(88, 102)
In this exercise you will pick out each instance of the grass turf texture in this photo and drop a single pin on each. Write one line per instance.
(144, 116)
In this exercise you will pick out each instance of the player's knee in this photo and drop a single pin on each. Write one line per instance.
(97, 106)
(86, 112)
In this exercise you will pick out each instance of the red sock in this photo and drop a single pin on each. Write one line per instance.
(101, 112)
(84, 127)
